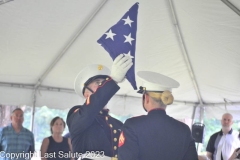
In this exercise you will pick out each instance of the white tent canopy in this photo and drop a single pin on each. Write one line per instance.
(44, 44)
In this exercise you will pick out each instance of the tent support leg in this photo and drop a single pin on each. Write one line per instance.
(201, 118)
(33, 109)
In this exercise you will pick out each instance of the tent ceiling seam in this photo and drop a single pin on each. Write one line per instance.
(43, 76)
(185, 53)
(67, 90)
(231, 6)
(5, 1)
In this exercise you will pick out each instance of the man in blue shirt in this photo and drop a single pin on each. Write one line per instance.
(16, 142)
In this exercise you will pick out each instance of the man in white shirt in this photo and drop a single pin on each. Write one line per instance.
(223, 143)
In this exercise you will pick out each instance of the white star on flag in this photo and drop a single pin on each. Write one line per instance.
(128, 39)
(125, 30)
(110, 34)
(128, 21)
(128, 54)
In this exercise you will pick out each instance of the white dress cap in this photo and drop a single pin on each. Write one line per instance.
(86, 73)
(153, 81)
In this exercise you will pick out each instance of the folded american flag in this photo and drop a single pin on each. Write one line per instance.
(121, 38)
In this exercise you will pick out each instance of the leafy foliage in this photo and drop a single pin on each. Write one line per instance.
(44, 115)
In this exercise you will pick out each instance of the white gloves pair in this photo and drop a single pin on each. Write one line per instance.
(120, 66)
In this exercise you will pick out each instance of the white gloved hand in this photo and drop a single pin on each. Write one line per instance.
(120, 66)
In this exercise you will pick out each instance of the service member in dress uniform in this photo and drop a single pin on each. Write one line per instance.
(92, 129)
(156, 136)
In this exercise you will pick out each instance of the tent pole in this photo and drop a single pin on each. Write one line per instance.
(61, 54)
(185, 53)
(202, 109)
(201, 115)
(67, 90)
(5, 1)
(194, 114)
(231, 6)
(33, 110)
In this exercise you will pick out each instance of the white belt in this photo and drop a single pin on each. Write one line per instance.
(96, 158)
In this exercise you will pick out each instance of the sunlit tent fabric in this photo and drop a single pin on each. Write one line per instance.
(44, 44)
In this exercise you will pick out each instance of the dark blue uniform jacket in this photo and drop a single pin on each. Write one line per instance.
(156, 136)
(91, 127)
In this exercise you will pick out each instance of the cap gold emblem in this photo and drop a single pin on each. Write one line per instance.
(100, 67)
